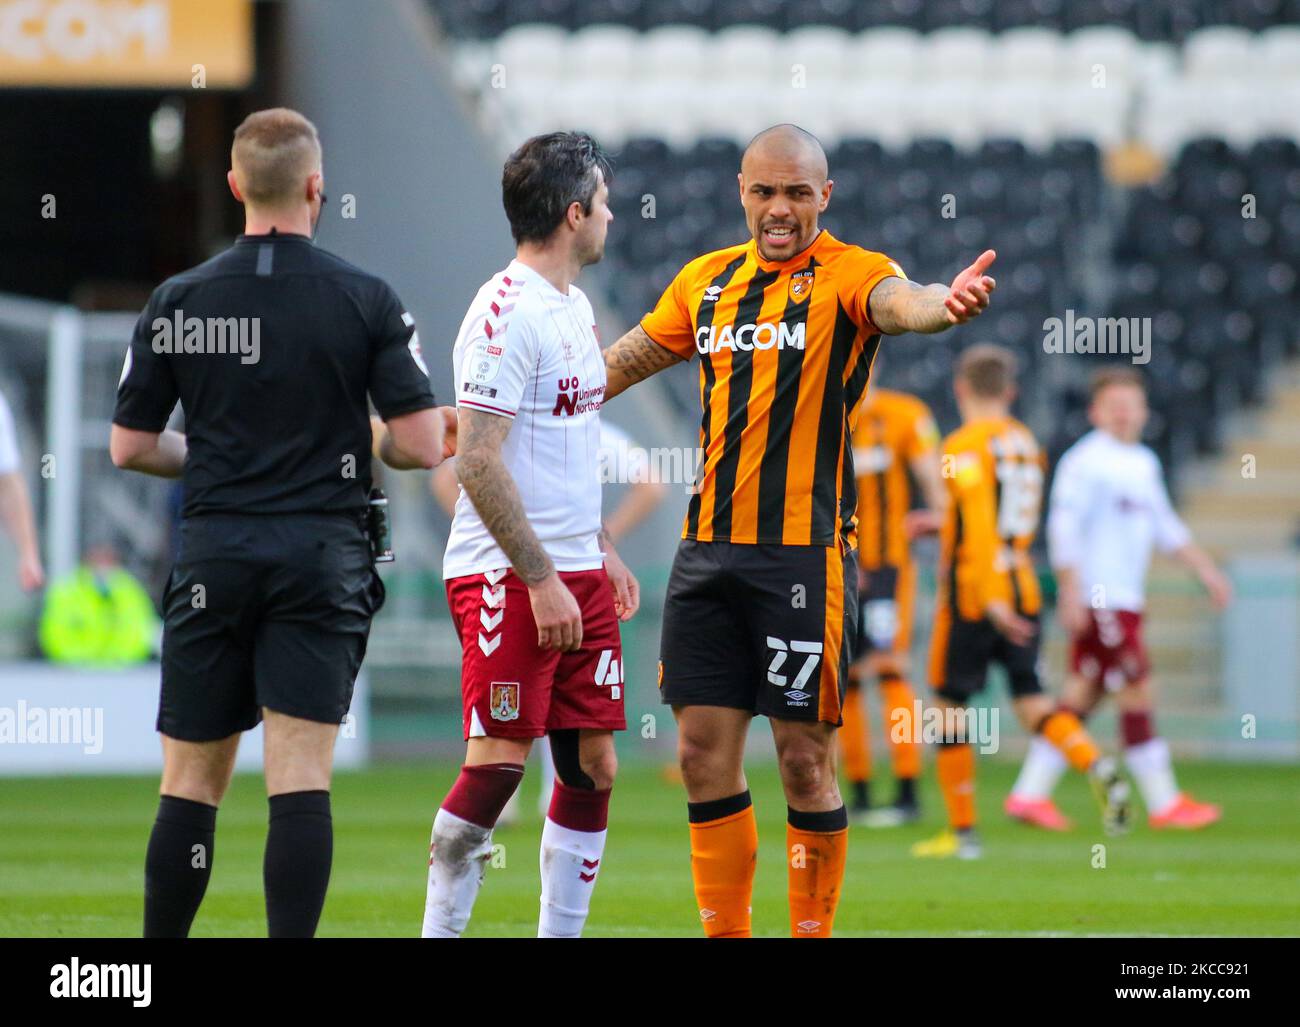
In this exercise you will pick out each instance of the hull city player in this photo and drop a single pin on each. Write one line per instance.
(988, 602)
(761, 609)
(1109, 507)
(894, 444)
(535, 588)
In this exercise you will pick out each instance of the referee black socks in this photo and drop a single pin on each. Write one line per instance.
(177, 866)
(296, 868)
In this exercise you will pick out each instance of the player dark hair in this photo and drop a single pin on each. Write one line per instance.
(1119, 375)
(989, 370)
(547, 174)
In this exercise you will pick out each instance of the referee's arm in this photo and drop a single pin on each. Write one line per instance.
(146, 396)
(414, 441)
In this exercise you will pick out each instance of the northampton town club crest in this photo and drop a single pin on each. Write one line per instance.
(503, 702)
(801, 283)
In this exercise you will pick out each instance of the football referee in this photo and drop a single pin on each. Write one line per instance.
(271, 348)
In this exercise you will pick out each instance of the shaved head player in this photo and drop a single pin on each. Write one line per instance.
(761, 608)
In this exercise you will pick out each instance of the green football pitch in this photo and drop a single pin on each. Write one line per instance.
(72, 851)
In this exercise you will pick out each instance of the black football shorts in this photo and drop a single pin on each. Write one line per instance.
(264, 611)
(961, 652)
(763, 628)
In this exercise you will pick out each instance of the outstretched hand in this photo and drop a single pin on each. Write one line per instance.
(971, 290)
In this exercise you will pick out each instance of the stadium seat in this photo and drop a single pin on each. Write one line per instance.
(1217, 54)
(1028, 53)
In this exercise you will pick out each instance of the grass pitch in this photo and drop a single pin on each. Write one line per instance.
(72, 854)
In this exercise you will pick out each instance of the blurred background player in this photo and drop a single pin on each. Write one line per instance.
(99, 615)
(621, 461)
(1109, 507)
(988, 602)
(535, 587)
(16, 505)
(895, 444)
(761, 610)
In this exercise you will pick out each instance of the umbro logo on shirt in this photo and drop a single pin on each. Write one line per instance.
(712, 293)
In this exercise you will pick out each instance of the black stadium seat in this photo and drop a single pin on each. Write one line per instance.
(1168, 20)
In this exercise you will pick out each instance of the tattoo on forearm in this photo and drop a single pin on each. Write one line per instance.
(495, 497)
(901, 306)
(634, 358)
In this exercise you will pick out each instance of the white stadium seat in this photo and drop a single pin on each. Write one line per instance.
(1277, 52)
(954, 53)
(1032, 53)
(603, 51)
(880, 108)
(1080, 111)
(747, 54)
(680, 82)
(1217, 53)
(673, 53)
(532, 55)
(1104, 52)
(823, 51)
(1016, 109)
(672, 111)
(885, 53)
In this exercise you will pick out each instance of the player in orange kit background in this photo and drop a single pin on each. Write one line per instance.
(895, 455)
(988, 603)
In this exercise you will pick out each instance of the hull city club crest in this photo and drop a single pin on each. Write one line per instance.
(801, 283)
(503, 702)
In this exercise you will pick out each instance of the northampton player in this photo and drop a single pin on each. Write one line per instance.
(1109, 507)
(895, 454)
(988, 602)
(761, 608)
(535, 588)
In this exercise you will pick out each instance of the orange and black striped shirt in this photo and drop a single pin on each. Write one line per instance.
(785, 351)
(993, 470)
(893, 430)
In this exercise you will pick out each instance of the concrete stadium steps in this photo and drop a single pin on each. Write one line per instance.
(1230, 513)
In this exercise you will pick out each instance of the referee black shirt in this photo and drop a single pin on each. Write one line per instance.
(271, 348)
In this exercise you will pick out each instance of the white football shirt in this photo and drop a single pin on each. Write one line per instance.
(8, 439)
(1108, 508)
(529, 352)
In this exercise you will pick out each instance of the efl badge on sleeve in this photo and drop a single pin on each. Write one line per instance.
(503, 701)
(801, 283)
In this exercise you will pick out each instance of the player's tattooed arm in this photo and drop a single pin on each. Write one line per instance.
(634, 358)
(897, 305)
(492, 491)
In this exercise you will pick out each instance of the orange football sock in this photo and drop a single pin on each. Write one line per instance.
(956, 768)
(897, 695)
(724, 847)
(816, 847)
(855, 746)
(1066, 731)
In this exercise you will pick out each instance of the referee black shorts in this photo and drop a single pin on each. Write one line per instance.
(264, 611)
(763, 628)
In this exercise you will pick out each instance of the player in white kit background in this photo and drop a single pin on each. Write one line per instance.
(622, 461)
(1108, 508)
(16, 506)
(536, 589)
